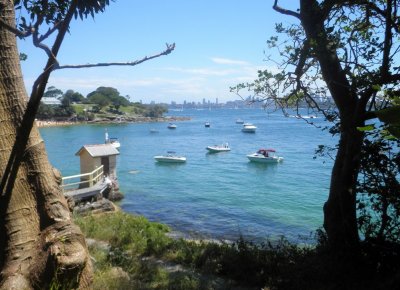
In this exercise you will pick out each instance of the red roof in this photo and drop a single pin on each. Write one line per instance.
(266, 150)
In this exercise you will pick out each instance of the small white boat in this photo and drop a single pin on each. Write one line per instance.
(171, 126)
(239, 121)
(265, 156)
(171, 157)
(207, 124)
(249, 128)
(113, 141)
(153, 131)
(218, 148)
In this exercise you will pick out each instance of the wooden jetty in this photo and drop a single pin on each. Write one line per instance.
(88, 185)
(98, 172)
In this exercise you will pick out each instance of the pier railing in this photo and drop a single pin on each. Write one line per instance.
(84, 180)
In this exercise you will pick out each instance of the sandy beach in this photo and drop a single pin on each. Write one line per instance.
(48, 123)
(53, 123)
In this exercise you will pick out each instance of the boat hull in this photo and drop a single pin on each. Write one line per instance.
(249, 130)
(168, 159)
(262, 159)
(215, 149)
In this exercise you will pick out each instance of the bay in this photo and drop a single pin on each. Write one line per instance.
(218, 196)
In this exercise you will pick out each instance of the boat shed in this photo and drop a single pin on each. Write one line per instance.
(93, 156)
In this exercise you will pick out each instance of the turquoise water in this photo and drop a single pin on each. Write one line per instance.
(213, 195)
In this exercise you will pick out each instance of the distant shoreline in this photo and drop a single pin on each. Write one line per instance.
(54, 123)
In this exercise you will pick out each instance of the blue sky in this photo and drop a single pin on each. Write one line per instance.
(219, 43)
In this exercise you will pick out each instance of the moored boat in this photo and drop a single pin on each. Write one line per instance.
(249, 128)
(171, 126)
(265, 156)
(171, 157)
(207, 124)
(239, 121)
(218, 148)
(110, 140)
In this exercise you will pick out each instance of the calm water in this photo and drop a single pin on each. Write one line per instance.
(213, 195)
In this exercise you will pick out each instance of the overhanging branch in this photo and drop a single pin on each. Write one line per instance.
(168, 50)
(285, 11)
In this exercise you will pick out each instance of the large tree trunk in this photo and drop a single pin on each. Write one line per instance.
(39, 244)
(340, 220)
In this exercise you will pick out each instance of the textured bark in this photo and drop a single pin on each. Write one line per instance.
(39, 244)
(340, 220)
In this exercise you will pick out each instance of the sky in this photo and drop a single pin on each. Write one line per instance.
(219, 43)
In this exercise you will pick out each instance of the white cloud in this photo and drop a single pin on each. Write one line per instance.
(203, 71)
(164, 84)
(220, 60)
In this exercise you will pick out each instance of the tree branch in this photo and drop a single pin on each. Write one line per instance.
(387, 42)
(285, 11)
(14, 30)
(168, 50)
(37, 42)
(50, 31)
(304, 53)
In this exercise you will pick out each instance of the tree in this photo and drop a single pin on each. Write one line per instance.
(100, 100)
(73, 97)
(53, 92)
(156, 111)
(350, 46)
(104, 96)
(39, 244)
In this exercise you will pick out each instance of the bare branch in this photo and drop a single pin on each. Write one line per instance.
(170, 48)
(387, 41)
(285, 11)
(50, 31)
(36, 42)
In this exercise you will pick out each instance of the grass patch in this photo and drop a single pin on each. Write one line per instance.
(140, 255)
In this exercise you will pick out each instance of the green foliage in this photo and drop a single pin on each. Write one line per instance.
(142, 250)
(134, 234)
(391, 117)
(73, 97)
(53, 11)
(23, 56)
(53, 92)
(105, 96)
(52, 111)
(155, 111)
(379, 199)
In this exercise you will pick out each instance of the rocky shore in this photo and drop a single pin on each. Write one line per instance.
(109, 120)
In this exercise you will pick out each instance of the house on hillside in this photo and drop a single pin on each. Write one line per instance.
(51, 101)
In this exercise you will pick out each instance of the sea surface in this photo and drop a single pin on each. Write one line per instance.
(215, 196)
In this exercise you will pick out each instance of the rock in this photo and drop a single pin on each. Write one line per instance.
(98, 206)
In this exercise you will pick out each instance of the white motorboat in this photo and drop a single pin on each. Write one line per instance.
(171, 126)
(113, 141)
(207, 124)
(239, 121)
(218, 148)
(265, 156)
(249, 128)
(171, 157)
